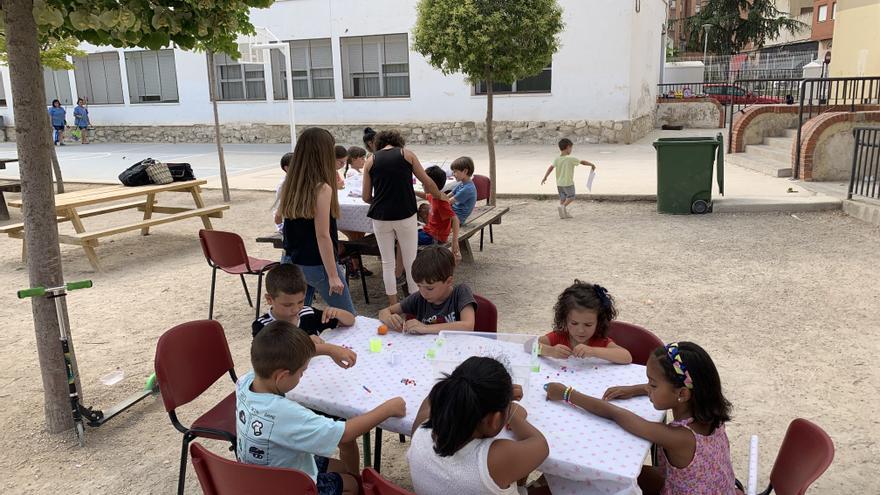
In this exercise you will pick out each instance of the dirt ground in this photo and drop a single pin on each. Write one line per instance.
(787, 306)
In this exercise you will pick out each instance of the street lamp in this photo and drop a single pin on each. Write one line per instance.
(706, 28)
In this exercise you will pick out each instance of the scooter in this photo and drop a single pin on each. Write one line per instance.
(82, 414)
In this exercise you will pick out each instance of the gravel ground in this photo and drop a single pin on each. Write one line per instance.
(782, 303)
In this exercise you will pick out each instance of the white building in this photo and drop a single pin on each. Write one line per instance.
(354, 66)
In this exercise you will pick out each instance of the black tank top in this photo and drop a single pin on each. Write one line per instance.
(301, 242)
(393, 195)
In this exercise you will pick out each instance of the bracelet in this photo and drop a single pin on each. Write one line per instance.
(566, 395)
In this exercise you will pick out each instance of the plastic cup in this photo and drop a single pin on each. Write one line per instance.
(375, 344)
(392, 358)
(113, 377)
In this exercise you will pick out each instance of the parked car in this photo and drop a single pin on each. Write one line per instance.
(727, 94)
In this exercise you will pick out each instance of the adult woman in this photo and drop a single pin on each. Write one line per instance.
(369, 136)
(310, 207)
(81, 120)
(388, 188)
(58, 116)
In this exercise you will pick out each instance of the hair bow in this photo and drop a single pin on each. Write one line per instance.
(678, 365)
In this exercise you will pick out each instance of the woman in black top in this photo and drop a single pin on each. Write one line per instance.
(388, 187)
(310, 207)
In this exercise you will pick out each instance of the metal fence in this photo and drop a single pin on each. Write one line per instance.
(760, 92)
(819, 95)
(752, 65)
(864, 180)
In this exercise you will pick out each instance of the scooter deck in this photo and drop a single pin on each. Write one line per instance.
(122, 406)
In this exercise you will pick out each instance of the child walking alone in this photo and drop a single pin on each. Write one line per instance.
(694, 450)
(581, 319)
(564, 165)
(454, 449)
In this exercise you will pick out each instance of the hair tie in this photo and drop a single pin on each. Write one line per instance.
(672, 353)
(602, 294)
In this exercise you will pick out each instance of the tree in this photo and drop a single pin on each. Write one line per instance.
(211, 25)
(738, 23)
(494, 41)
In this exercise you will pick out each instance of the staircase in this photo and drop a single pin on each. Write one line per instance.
(772, 158)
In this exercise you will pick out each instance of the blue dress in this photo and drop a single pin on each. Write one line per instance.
(58, 116)
(81, 117)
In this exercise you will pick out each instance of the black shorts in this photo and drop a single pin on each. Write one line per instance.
(328, 483)
(58, 127)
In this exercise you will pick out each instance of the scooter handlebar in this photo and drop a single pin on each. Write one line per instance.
(82, 284)
(41, 291)
(32, 292)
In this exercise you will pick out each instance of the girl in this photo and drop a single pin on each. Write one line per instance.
(583, 313)
(341, 159)
(454, 449)
(58, 116)
(369, 136)
(694, 450)
(357, 158)
(81, 120)
(310, 207)
(388, 189)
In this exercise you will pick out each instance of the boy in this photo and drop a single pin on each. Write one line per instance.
(464, 195)
(285, 164)
(285, 294)
(438, 305)
(275, 431)
(564, 165)
(441, 217)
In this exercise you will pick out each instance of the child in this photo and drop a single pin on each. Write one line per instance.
(564, 165)
(285, 294)
(464, 195)
(275, 431)
(285, 163)
(694, 450)
(580, 326)
(441, 218)
(454, 449)
(438, 304)
(341, 158)
(357, 158)
(81, 120)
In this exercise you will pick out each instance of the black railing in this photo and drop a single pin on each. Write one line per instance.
(680, 90)
(749, 92)
(865, 178)
(819, 95)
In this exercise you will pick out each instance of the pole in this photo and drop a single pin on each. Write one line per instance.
(706, 28)
(289, 79)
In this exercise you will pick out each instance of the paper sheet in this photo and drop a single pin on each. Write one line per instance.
(590, 180)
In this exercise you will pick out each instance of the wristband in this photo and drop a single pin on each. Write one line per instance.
(566, 395)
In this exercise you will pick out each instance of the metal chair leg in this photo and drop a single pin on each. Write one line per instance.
(213, 285)
(246, 291)
(377, 458)
(491, 236)
(367, 451)
(181, 480)
(402, 438)
(363, 279)
(481, 239)
(259, 289)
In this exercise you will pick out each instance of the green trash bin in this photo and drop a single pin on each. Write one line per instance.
(684, 173)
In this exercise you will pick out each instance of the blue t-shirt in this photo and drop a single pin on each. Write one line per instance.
(465, 195)
(275, 431)
(81, 116)
(58, 116)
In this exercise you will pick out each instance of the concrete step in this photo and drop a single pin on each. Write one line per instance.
(773, 168)
(790, 133)
(864, 210)
(767, 152)
(758, 204)
(781, 143)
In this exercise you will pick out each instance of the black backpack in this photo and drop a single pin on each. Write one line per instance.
(136, 175)
(181, 171)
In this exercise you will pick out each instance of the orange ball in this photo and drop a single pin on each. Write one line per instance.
(383, 329)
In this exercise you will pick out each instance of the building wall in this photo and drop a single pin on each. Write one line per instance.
(856, 50)
(604, 71)
(823, 29)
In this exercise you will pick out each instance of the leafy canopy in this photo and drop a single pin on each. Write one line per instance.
(501, 40)
(54, 53)
(737, 23)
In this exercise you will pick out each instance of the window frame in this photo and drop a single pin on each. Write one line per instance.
(242, 79)
(476, 91)
(349, 77)
(139, 54)
(89, 94)
(280, 91)
(819, 11)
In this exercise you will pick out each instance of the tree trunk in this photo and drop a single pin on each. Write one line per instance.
(212, 85)
(41, 232)
(56, 167)
(490, 139)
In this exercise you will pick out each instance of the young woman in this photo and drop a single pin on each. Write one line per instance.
(310, 208)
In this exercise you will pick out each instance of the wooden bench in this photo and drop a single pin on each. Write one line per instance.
(5, 187)
(67, 209)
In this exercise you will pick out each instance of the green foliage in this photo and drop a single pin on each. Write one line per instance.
(54, 53)
(737, 23)
(501, 40)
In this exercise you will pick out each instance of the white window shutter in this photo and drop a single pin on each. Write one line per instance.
(114, 77)
(322, 54)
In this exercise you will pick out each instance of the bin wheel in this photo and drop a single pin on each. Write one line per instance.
(699, 207)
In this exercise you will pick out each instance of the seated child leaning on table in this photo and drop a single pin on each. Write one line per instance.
(581, 319)
(275, 431)
(438, 305)
(285, 293)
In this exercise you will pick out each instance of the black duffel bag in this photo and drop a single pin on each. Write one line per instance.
(181, 171)
(136, 175)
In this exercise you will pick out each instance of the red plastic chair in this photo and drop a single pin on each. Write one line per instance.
(219, 476)
(225, 250)
(190, 358)
(805, 453)
(484, 188)
(639, 341)
(487, 315)
(375, 484)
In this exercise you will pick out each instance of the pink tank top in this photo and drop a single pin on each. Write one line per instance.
(709, 473)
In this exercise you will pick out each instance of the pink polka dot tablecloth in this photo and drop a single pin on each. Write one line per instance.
(588, 454)
(352, 210)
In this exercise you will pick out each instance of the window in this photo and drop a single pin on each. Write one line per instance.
(312, 62)
(151, 76)
(57, 84)
(834, 11)
(237, 81)
(539, 83)
(823, 13)
(375, 66)
(98, 78)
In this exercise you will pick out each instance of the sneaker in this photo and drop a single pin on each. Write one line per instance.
(567, 214)
(401, 280)
(367, 273)
(561, 211)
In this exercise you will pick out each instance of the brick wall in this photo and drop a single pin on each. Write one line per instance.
(818, 130)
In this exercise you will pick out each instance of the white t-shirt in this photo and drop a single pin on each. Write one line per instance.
(278, 226)
(353, 172)
(464, 473)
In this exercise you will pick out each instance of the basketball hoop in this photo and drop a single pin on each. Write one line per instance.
(248, 45)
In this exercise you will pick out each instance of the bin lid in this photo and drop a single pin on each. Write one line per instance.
(719, 164)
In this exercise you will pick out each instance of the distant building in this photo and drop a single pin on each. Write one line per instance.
(856, 49)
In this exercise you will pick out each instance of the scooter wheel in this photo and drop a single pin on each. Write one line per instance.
(699, 207)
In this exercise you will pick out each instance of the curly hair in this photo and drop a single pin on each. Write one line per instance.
(392, 137)
(581, 295)
(708, 404)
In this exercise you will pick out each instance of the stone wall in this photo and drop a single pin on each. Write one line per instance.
(692, 113)
(827, 144)
(506, 132)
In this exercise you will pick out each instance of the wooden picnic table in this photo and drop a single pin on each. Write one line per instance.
(7, 186)
(69, 208)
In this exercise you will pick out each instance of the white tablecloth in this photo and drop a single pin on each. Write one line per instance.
(588, 454)
(353, 210)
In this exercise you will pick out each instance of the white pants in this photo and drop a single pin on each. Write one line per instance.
(406, 232)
